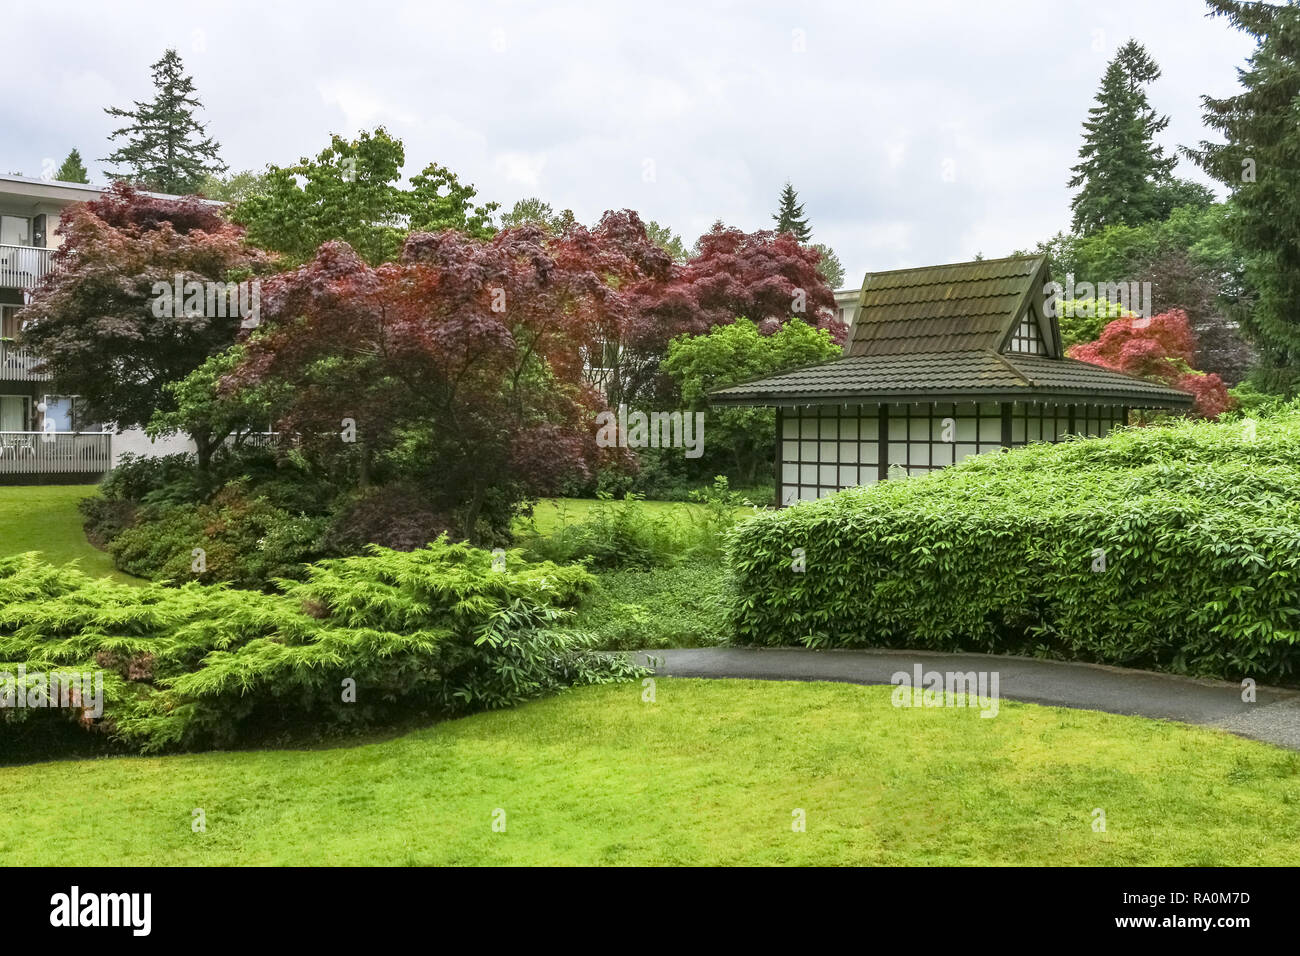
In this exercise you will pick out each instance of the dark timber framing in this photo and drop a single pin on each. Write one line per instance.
(943, 363)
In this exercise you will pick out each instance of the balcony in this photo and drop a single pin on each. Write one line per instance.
(55, 453)
(16, 364)
(23, 267)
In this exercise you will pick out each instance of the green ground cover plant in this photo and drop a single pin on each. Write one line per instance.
(439, 631)
(681, 606)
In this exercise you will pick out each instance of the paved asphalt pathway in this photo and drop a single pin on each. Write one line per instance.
(1274, 717)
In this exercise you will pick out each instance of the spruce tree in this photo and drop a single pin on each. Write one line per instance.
(73, 170)
(1121, 168)
(1258, 163)
(790, 218)
(165, 147)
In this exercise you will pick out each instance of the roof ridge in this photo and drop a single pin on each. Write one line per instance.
(949, 265)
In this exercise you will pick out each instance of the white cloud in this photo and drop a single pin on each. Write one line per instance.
(565, 100)
(524, 169)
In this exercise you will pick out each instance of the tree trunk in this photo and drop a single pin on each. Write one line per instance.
(202, 450)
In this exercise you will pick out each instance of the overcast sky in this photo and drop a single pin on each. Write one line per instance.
(915, 132)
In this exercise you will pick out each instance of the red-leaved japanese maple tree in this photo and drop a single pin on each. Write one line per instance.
(763, 276)
(93, 322)
(457, 368)
(1161, 349)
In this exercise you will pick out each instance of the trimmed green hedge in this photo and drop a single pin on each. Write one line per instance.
(1197, 526)
(439, 631)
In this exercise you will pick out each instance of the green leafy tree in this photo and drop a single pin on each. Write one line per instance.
(1259, 161)
(789, 216)
(73, 169)
(1191, 264)
(164, 146)
(537, 212)
(1120, 165)
(667, 240)
(350, 192)
(212, 415)
(437, 200)
(234, 188)
(830, 267)
(1083, 320)
(740, 439)
(1177, 193)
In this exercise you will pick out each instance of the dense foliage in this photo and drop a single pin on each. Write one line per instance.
(1160, 349)
(1190, 264)
(1257, 161)
(253, 518)
(362, 642)
(624, 534)
(456, 370)
(1176, 548)
(682, 606)
(350, 193)
(739, 440)
(764, 276)
(94, 322)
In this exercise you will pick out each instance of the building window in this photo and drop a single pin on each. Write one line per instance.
(13, 413)
(9, 327)
(1028, 338)
(1031, 422)
(15, 231)
(928, 436)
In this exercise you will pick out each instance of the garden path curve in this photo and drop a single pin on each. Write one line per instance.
(1274, 717)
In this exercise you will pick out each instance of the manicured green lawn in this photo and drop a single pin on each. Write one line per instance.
(45, 518)
(710, 773)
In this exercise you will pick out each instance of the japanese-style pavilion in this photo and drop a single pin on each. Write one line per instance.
(942, 363)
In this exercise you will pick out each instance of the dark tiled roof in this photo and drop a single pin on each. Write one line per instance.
(958, 307)
(952, 376)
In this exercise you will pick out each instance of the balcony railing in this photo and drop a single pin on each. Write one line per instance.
(16, 364)
(55, 453)
(23, 267)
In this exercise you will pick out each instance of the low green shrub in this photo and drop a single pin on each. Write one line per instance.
(682, 606)
(106, 518)
(1175, 548)
(391, 516)
(440, 631)
(244, 541)
(137, 477)
(617, 534)
(625, 534)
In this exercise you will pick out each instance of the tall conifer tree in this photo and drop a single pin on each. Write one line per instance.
(1121, 170)
(164, 146)
(73, 170)
(1258, 163)
(789, 216)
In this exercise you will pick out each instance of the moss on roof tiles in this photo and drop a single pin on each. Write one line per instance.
(963, 306)
(936, 334)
